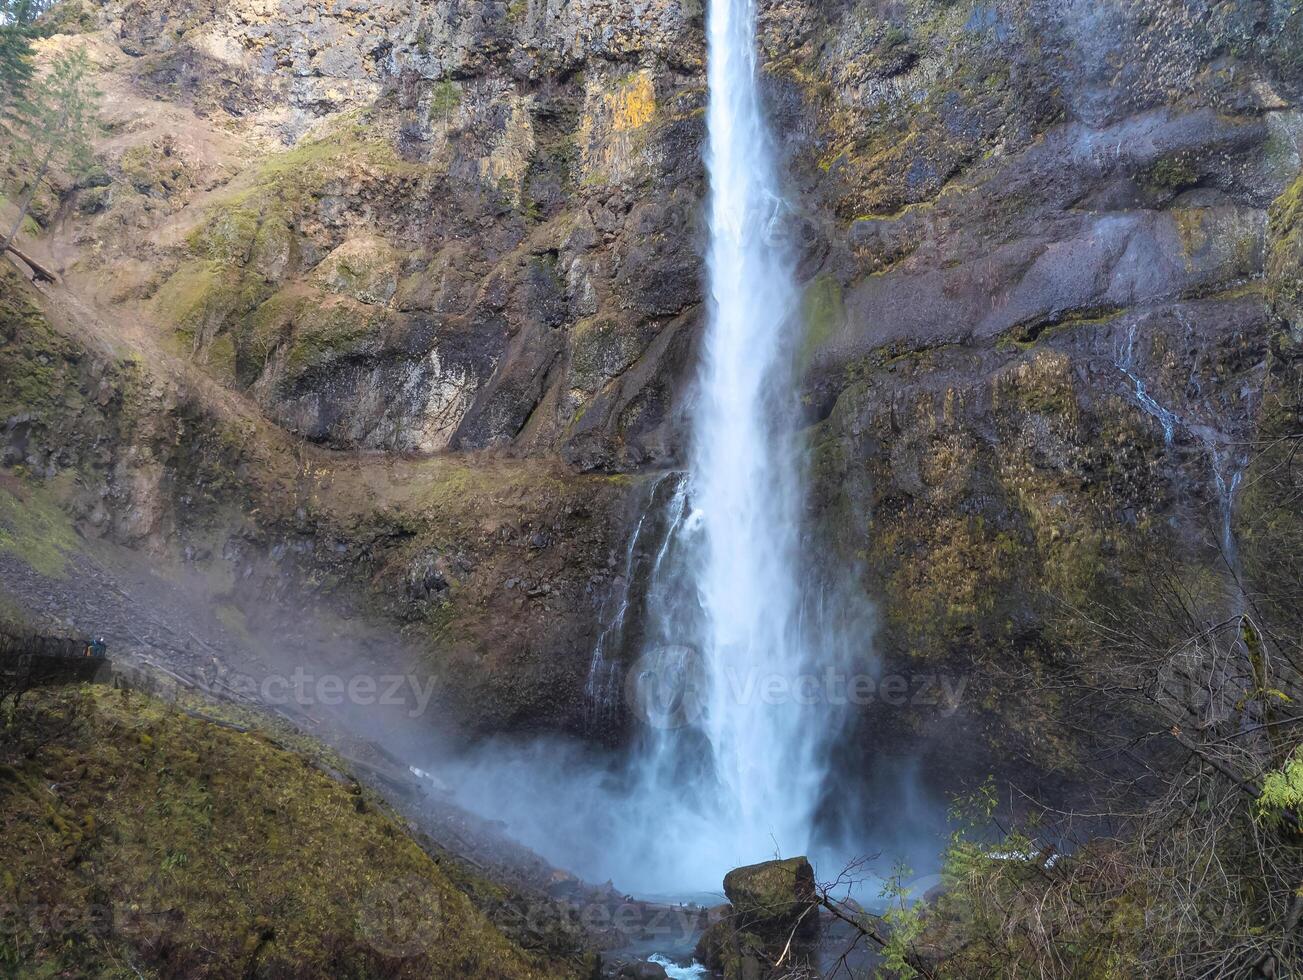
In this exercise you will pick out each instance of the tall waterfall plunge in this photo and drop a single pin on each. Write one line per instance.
(752, 763)
(738, 637)
(726, 631)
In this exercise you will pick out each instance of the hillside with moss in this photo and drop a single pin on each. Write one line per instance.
(140, 840)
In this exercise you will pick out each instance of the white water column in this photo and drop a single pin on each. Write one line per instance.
(768, 763)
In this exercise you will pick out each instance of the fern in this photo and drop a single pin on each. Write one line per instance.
(1282, 792)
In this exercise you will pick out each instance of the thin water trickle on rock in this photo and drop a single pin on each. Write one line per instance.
(1127, 365)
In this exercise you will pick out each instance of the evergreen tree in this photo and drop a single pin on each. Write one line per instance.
(16, 31)
(52, 126)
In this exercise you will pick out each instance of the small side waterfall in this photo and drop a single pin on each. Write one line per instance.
(602, 690)
(1228, 470)
(1227, 464)
(1126, 363)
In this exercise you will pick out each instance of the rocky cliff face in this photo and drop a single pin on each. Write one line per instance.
(1050, 304)
(482, 235)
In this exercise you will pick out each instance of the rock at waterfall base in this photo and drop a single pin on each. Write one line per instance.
(771, 903)
(773, 896)
(642, 971)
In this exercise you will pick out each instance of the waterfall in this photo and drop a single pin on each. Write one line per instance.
(743, 471)
(1228, 471)
(728, 643)
(1227, 466)
(602, 690)
(1127, 365)
(736, 648)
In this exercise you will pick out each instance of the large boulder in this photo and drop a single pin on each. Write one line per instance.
(771, 904)
(642, 970)
(772, 896)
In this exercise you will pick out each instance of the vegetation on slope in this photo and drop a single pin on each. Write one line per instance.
(137, 840)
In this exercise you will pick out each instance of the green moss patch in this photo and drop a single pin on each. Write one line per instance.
(445, 97)
(188, 294)
(366, 268)
(289, 181)
(176, 847)
(1285, 254)
(1172, 173)
(28, 381)
(155, 170)
(34, 528)
(311, 329)
(822, 313)
(247, 246)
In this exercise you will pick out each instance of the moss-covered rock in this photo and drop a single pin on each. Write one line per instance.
(156, 169)
(1285, 257)
(771, 896)
(34, 529)
(34, 360)
(1269, 522)
(1007, 502)
(773, 916)
(366, 268)
(306, 330)
(822, 313)
(198, 303)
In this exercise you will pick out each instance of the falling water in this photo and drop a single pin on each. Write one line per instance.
(1228, 471)
(729, 647)
(727, 639)
(743, 470)
(1127, 365)
(602, 690)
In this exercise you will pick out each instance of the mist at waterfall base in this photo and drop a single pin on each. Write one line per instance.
(736, 593)
(592, 813)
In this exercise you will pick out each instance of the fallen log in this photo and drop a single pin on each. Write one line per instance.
(41, 272)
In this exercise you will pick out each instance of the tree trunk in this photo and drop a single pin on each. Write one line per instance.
(27, 200)
(42, 273)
